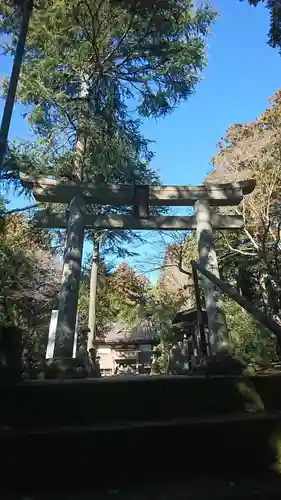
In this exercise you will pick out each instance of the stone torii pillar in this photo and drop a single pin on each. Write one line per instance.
(68, 297)
(218, 332)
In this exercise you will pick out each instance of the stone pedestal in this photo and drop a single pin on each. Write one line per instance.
(65, 368)
(10, 355)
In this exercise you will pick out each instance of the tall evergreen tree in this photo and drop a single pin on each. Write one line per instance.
(91, 70)
(88, 64)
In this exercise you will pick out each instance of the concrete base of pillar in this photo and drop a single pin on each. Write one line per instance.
(65, 368)
(222, 363)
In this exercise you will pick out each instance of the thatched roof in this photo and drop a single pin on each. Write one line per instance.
(120, 332)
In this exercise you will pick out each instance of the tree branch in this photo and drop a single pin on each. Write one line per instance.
(236, 250)
(17, 210)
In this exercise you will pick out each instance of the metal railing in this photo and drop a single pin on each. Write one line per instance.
(231, 292)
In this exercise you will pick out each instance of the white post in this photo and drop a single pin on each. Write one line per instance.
(93, 295)
(52, 335)
(68, 299)
(208, 259)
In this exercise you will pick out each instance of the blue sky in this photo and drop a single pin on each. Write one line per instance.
(242, 73)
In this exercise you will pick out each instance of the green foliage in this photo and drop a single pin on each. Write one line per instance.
(274, 35)
(250, 259)
(241, 268)
(150, 51)
(105, 312)
(29, 285)
(125, 297)
(249, 340)
(128, 286)
(77, 104)
(252, 150)
(87, 62)
(121, 295)
(2, 204)
(160, 363)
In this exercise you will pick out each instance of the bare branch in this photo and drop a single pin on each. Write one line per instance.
(237, 250)
(17, 210)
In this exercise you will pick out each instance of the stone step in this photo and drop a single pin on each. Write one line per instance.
(66, 433)
(73, 430)
(68, 456)
(206, 488)
(119, 399)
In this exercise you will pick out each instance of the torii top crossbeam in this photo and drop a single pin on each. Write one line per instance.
(52, 190)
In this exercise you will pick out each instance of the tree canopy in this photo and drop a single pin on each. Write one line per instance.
(250, 259)
(273, 6)
(30, 276)
(92, 67)
(252, 150)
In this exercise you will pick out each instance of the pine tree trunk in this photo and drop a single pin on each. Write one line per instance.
(10, 99)
(81, 142)
(93, 296)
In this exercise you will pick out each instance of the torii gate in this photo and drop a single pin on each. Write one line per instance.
(80, 194)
